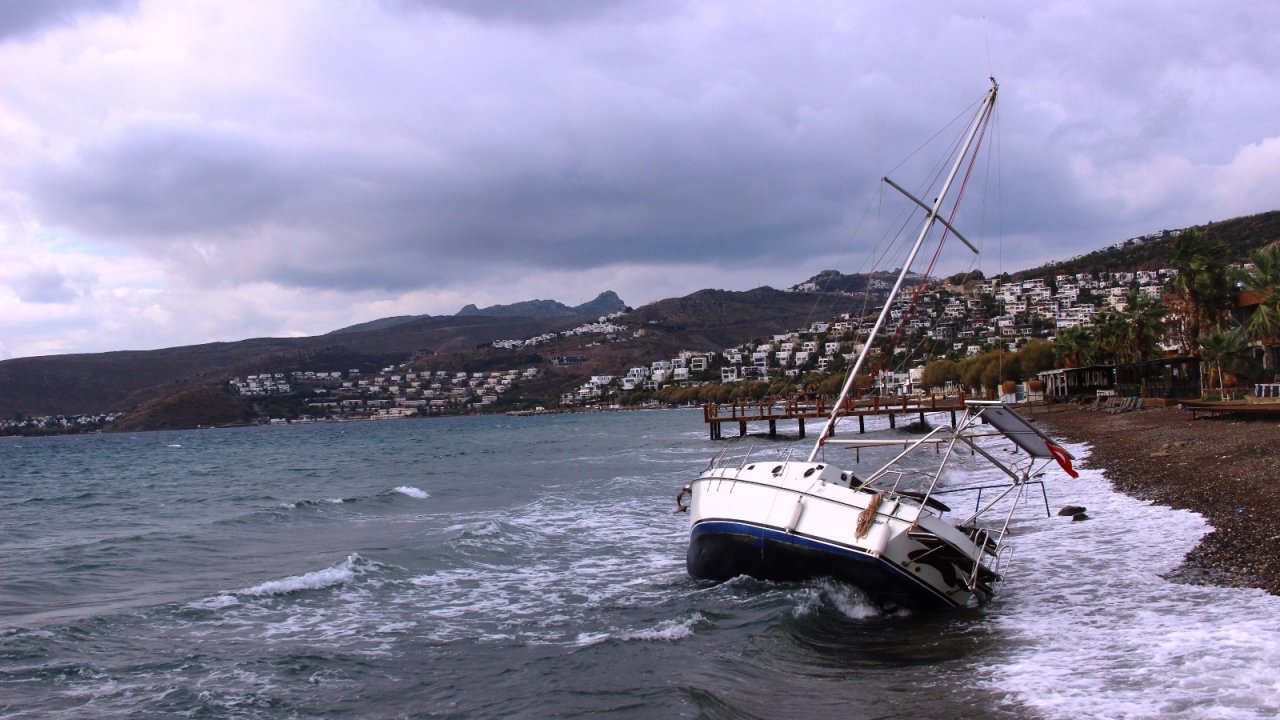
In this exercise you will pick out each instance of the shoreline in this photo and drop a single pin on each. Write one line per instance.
(1224, 468)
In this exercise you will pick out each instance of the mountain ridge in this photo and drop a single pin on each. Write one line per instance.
(704, 320)
(605, 303)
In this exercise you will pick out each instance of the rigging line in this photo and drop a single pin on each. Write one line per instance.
(887, 357)
(993, 151)
(966, 112)
(865, 288)
(879, 260)
(938, 172)
(903, 270)
(878, 200)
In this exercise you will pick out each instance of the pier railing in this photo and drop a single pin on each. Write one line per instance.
(803, 407)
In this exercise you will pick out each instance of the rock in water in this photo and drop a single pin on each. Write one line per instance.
(1071, 510)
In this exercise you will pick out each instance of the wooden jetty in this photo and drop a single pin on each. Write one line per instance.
(801, 408)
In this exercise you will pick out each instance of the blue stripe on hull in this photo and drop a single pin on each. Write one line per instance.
(719, 550)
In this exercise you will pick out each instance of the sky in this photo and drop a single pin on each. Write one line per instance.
(179, 171)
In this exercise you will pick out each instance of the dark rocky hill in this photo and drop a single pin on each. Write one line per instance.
(605, 303)
(717, 319)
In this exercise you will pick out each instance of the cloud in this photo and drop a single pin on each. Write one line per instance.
(442, 152)
(536, 12)
(46, 285)
(23, 18)
(1248, 182)
(535, 176)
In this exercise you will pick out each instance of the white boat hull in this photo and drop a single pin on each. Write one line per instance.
(790, 521)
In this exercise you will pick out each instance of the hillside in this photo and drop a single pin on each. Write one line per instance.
(125, 380)
(833, 281)
(1239, 235)
(704, 320)
(101, 382)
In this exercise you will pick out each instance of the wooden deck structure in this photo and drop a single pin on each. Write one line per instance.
(1231, 407)
(801, 408)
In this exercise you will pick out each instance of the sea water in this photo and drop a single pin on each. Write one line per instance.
(497, 567)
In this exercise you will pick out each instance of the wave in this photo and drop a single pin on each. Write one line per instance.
(412, 492)
(668, 630)
(845, 599)
(341, 574)
(313, 503)
(1098, 629)
(486, 529)
(665, 631)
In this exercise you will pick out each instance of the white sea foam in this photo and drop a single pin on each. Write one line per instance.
(412, 492)
(849, 600)
(306, 503)
(594, 556)
(487, 529)
(1100, 632)
(340, 574)
(667, 630)
(217, 602)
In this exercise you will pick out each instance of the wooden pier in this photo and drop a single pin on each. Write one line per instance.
(801, 408)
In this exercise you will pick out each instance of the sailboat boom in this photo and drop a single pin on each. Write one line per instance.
(928, 209)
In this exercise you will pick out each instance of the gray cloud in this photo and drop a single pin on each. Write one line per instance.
(45, 286)
(536, 12)
(468, 149)
(24, 18)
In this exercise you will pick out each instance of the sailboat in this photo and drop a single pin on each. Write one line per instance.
(888, 532)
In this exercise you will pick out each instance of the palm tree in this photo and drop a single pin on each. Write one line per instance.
(1201, 280)
(1109, 329)
(1224, 350)
(1144, 320)
(1130, 335)
(1264, 280)
(1071, 344)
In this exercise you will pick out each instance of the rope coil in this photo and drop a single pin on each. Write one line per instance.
(867, 517)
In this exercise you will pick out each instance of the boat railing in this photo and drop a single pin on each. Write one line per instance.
(1001, 559)
(974, 576)
(978, 489)
(726, 457)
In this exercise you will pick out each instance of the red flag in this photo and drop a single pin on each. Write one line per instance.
(1062, 457)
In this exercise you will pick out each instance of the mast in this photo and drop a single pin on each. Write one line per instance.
(979, 121)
